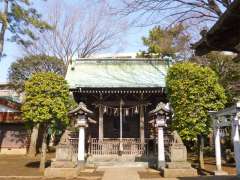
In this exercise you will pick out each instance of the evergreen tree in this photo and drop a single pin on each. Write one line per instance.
(162, 42)
(193, 91)
(46, 104)
(18, 17)
(25, 67)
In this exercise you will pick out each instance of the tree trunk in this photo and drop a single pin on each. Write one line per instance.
(3, 27)
(200, 150)
(33, 142)
(44, 149)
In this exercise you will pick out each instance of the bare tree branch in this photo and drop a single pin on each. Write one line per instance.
(77, 32)
(174, 11)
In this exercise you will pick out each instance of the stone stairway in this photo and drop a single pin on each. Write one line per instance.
(118, 164)
(116, 161)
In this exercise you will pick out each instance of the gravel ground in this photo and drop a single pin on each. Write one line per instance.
(19, 165)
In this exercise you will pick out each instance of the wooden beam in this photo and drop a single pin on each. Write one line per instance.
(138, 91)
(126, 104)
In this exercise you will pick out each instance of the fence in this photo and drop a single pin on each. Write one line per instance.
(126, 146)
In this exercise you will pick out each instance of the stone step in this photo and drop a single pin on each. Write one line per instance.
(116, 158)
(117, 164)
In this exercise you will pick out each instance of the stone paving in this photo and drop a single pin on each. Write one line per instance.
(126, 173)
(121, 173)
(130, 173)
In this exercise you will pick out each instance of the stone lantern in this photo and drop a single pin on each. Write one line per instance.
(178, 165)
(64, 165)
(80, 115)
(161, 114)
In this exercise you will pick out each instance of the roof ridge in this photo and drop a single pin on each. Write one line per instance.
(119, 59)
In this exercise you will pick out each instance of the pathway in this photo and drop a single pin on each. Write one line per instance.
(122, 173)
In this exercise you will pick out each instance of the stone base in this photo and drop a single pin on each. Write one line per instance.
(178, 153)
(220, 173)
(178, 165)
(80, 166)
(61, 172)
(161, 165)
(62, 164)
(172, 173)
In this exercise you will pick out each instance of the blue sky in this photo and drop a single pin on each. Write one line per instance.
(132, 41)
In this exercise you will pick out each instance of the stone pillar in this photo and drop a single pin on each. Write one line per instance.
(161, 153)
(236, 143)
(81, 124)
(218, 149)
(81, 144)
(217, 142)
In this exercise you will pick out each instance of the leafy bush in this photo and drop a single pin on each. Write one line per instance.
(193, 90)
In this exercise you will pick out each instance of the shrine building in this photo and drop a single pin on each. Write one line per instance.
(121, 93)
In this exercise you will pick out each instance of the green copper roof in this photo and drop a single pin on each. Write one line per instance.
(116, 73)
(14, 99)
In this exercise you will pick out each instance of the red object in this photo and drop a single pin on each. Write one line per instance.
(13, 133)
(10, 117)
(10, 104)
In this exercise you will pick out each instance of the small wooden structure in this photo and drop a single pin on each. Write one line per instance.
(14, 137)
(229, 117)
(121, 93)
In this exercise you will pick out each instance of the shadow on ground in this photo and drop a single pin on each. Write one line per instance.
(36, 164)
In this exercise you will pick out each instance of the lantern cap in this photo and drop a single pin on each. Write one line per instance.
(82, 108)
(161, 108)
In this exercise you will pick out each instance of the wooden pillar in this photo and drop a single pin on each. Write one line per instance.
(121, 127)
(142, 120)
(236, 143)
(121, 118)
(218, 149)
(100, 130)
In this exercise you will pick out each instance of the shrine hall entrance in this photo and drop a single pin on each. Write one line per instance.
(121, 124)
(130, 126)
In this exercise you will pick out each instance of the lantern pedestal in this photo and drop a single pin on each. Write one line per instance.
(161, 154)
(81, 124)
(178, 165)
